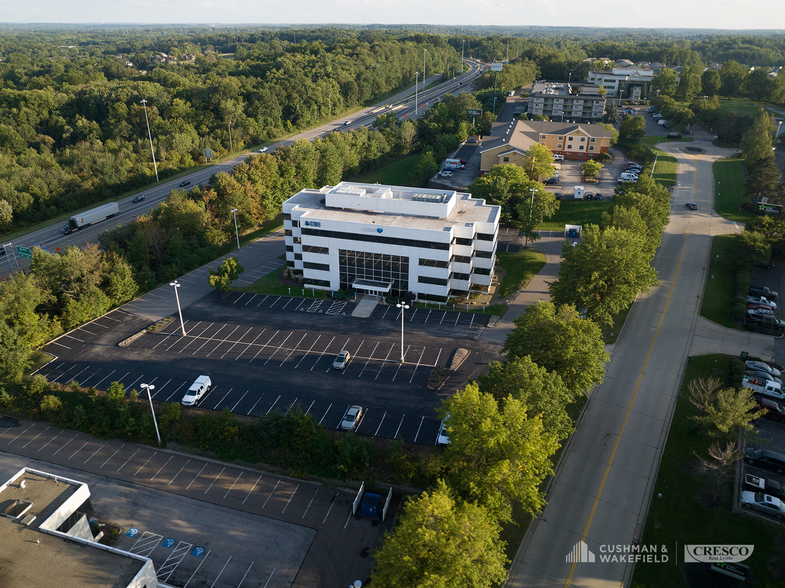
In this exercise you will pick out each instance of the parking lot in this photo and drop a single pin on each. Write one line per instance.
(772, 438)
(266, 353)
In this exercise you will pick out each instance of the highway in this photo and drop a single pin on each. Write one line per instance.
(403, 105)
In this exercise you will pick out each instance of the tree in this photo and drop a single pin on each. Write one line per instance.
(542, 205)
(538, 163)
(604, 273)
(719, 463)
(632, 127)
(498, 455)
(591, 168)
(703, 392)
(710, 82)
(14, 354)
(561, 342)
(764, 178)
(757, 142)
(439, 542)
(689, 83)
(731, 410)
(542, 392)
(732, 76)
(227, 273)
(665, 82)
(485, 123)
(757, 85)
(509, 186)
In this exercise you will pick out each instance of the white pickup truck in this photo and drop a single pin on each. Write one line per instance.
(197, 390)
(764, 387)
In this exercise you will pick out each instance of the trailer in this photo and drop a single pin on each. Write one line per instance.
(90, 217)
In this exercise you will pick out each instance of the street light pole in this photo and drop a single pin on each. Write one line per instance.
(416, 82)
(180, 312)
(234, 212)
(403, 306)
(424, 51)
(149, 387)
(150, 136)
(462, 44)
(531, 210)
(231, 145)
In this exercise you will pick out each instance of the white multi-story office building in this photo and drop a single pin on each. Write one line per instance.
(383, 240)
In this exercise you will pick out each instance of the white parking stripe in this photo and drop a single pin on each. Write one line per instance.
(290, 499)
(197, 568)
(232, 486)
(369, 359)
(239, 401)
(252, 489)
(255, 403)
(240, 298)
(224, 341)
(278, 348)
(418, 365)
(418, 429)
(159, 471)
(291, 405)
(75, 452)
(398, 430)
(99, 383)
(307, 352)
(196, 476)
(129, 459)
(208, 339)
(244, 575)
(178, 473)
(249, 345)
(175, 392)
(325, 413)
(115, 453)
(380, 424)
(251, 300)
(309, 408)
(36, 437)
(293, 349)
(236, 342)
(263, 346)
(310, 503)
(214, 481)
(52, 439)
(322, 353)
(271, 494)
(332, 502)
(96, 451)
(401, 363)
(385, 360)
(273, 404)
(270, 578)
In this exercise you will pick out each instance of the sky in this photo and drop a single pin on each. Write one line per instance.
(704, 14)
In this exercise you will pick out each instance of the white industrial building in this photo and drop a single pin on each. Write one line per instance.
(384, 240)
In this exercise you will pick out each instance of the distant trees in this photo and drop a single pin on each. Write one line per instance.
(632, 128)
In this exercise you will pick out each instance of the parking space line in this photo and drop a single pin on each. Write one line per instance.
(322, 353)
(75, 338)
(52, 439)
(325, 413)
(224, 341)
(99, 383)
(413, 314)
(427, 317)
(249, 345)
(275, 301)
(399, 315)
(287, 304)
(222, 571)
(36, 437)
(241, 399)
(175, 392)
(300, 305)
(160, 388)
(347, 520)
(78, 450)
(291, 405)
(197, 568)
(214, 481)
(401, 363)
(309, 408)
(422, 419)
(222, 399)
(244, 575)
(398, 430)
(330, 367)
(278, 348)
(369, 359)
(135, 381)
(178, 473)
(72, 379)
(96, 451)
(208, 339)
(171, 457)
(196, 476)
(380, 424)
(232, 486)
(115, 453)
(293, 349)
(129, 459)
(263, 346)
(418, 365)
(149, 541)
(240, 298)
(60, 344)
(310, 503)
(263, 299)
(252, 488)
(471, 324)
(270, 578)
(332, 503)
(290, 499)
(178, 554)
(457, 319)
(255, 403)
(444, 315)
(236, 342)
(307, 352)
(271, 493)
(438, 355)
(88, 332)
(191, 339)
(385, 361)
(386, 311)
(145, 463)
(273, 404)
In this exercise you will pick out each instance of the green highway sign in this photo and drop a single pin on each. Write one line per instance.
(24, 252)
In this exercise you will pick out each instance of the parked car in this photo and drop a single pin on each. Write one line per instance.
(692, 206)
(341, 360)
(346, 122)
(771, 409)
(351, 417)
(558, 157)
(263, 150)
(185, 183)
(761, 300)
(765, 309)
(762, 291)
(197, 391)
(762, 366)
(764, 264)
(139, 198)
(446, 173)
(551, 181)
(758, 484)
(443, 439)
(762, 376)
(764, 503)
(765, 459)
(598, 196)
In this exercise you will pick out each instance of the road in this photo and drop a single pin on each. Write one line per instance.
(603, 484)
(403, 104)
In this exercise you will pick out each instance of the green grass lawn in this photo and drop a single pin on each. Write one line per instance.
(269, 284)
(744, 107)
(520, 268)
(679, 516)
(718, 293)
(729, 189)
(392, 174)
(576, 212)
(665, 167)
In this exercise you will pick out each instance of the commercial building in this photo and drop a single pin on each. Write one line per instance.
(573, 141)
(47, 540)
(632, 84)
(573, 102)
(391, 240)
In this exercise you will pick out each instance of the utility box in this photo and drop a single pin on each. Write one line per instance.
(371, 504)
(579, 192)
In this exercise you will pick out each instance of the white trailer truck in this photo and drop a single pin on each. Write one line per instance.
(90, 217)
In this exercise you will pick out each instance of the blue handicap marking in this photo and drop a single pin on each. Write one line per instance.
(198, 551)
(168, 543)
(132, 532)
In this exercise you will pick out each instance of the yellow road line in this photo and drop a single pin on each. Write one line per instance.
(635, 392)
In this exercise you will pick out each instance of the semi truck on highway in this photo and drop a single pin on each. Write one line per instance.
(90, 217)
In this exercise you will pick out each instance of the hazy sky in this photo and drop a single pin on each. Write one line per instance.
(709, 14)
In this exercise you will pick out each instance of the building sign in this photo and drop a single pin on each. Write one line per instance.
(371, 229)
(769, 208)
(312, 224)
(472, 112)
(496, 67)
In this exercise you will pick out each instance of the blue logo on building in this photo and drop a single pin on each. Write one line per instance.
(313, 224)
(379, 230)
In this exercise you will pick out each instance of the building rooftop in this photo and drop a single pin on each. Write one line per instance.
(33, 557)
(527, 132)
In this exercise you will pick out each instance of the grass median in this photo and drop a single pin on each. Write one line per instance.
(729, 187)
(718, 291)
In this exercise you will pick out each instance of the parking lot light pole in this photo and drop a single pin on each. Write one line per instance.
(416, 82)
(149, 387)
(403, 307)
(234, 212)
(180, 312)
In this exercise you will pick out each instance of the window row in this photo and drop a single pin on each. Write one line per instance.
(375, 238)
(315, 249)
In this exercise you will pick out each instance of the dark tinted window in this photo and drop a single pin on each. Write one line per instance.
(316, 266)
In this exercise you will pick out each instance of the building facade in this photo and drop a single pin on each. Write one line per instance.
(560, 101)
(633, 84)
(390, 240)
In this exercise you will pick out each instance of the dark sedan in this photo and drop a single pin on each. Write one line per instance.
(692, 206)
(185, 183)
